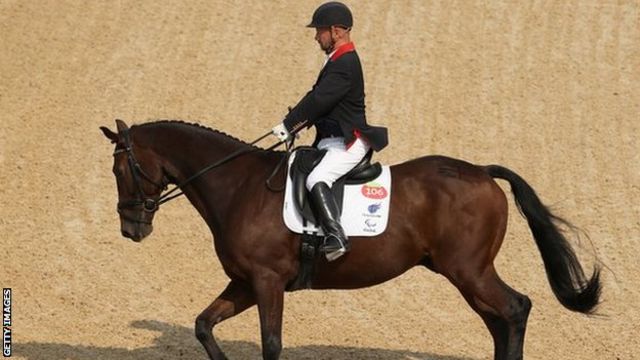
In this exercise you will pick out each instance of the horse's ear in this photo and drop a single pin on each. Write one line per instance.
(109, 134)
(122, 126)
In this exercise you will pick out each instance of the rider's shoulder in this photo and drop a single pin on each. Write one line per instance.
(346, 60)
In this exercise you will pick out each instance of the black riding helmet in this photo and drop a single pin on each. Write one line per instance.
(332, 13)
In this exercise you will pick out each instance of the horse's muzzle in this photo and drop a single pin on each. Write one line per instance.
(135, 231)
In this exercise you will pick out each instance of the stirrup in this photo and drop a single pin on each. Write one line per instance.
(334, 255)
(334, 252)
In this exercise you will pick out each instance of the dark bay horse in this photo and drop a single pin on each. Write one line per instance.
(447, 215)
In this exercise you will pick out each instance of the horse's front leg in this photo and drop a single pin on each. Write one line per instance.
(236, 298)
(269, 290)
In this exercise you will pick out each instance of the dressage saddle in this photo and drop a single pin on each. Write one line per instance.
(307, 158)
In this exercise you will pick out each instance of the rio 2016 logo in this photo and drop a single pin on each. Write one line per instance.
(374, 191)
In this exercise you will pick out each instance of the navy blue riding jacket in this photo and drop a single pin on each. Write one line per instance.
(335, 103)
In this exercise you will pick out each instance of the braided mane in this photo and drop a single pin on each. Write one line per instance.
(198, 126)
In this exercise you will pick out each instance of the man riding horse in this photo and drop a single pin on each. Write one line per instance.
(335, 106)
(448, 215)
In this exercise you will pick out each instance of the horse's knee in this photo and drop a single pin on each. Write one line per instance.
(520, 308)
(203, 329)
(524, 307)
(271, 347)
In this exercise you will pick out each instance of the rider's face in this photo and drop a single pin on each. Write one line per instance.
(324, 39)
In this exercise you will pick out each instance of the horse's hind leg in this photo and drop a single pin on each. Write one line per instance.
(236, 298)
(504, 311)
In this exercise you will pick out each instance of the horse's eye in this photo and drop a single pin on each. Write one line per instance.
(118, 173)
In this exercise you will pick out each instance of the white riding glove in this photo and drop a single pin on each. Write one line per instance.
(281, 132)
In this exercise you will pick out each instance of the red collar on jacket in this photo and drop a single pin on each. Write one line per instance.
(343, 49)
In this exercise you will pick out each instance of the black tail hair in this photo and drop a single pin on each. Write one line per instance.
(565, 274)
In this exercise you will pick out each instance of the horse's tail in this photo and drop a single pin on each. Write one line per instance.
(565, 274)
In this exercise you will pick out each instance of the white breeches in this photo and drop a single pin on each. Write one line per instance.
(337, 161)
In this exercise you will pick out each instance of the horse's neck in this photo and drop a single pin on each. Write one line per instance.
(214, 192)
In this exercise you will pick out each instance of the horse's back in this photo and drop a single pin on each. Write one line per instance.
(436, 167)
(438, 179)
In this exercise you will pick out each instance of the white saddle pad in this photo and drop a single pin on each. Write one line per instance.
(365, 210)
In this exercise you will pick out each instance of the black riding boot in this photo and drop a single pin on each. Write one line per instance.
(327, 213)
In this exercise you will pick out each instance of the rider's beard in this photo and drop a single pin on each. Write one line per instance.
(327, 48)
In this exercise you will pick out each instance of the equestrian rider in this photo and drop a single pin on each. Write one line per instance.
(335, 106)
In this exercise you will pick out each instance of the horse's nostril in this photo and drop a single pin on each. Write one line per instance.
(126, 234)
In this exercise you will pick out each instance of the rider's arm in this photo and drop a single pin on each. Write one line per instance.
(324, 96)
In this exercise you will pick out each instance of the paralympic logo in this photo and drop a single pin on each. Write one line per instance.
(370, 223)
